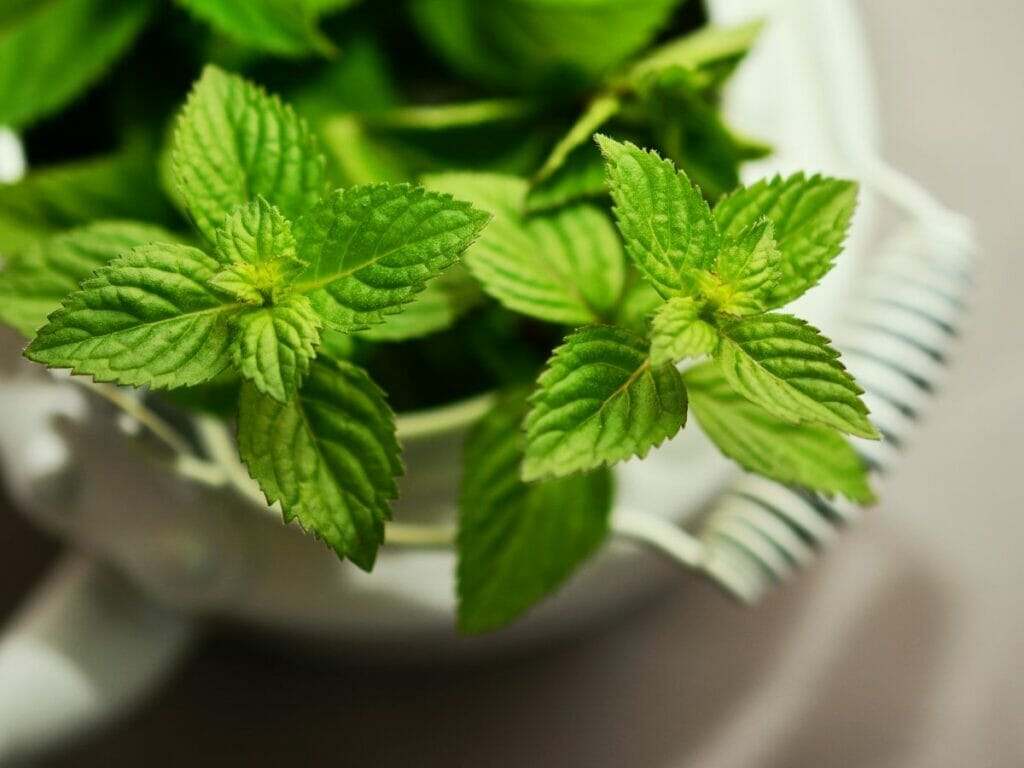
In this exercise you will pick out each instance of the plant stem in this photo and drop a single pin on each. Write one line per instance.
(145, 416)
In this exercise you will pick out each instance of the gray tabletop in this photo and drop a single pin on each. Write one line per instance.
(901, 648)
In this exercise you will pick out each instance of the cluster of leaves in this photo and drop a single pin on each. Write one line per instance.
(301, 266)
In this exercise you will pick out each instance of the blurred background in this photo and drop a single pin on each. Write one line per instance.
(901, 648)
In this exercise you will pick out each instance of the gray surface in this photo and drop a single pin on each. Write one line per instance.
(902, 648)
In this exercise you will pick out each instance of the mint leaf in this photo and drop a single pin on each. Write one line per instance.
(257, 244)
(54, 198)
(256, 233)
(679, 331)
(563, 267)
(808, 455)
(234, 142)
(811, 218)
(711, 52)
(273, 345)
(525, 45)
(282, 27)
(148, 318)
(786, 366)
(747, 270)
(33, 283)
(51, 51)
(372, 248)
(330, 456)
(519, 542)
(444, 300)
(242, 282)
(667, 227)
(600, 401)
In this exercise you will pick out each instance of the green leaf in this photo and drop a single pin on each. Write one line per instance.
(148, 318)
(563, 267)
(234, 142)
(519, 542)
(257, 244)
(242, 282)
(667, 227)
(786, 366)
(51, 199)
(811, 218)
(372, 248)
(679, 331)
(712, 52)
(748, 269)
(809, 455)
(34, 282)
(256, 233)
(330, 456)
(281, 27)
(525, 44)
(52, 50)
(272, 346)
(437, 307)
(600, 401)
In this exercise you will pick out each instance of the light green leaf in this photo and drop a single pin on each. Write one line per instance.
(281, 27)
(256, 233)
(234, 142)
(748, 269)
(273, 345)
(786, 366)
(372, 248)
(811, 218)
(809, 455)
(54, 198)
(330, 456)
(149, 318)
(600, 401)
(598, 112)
(667, 227)
(438, 306)
(519, 542)
(242, 282)
(34, 282)
(52, 50)
(564, 267)
(257, 244)
(679, 331)
(711, 51)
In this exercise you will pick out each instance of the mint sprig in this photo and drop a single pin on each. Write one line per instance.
(608, 394)
(285, 263)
